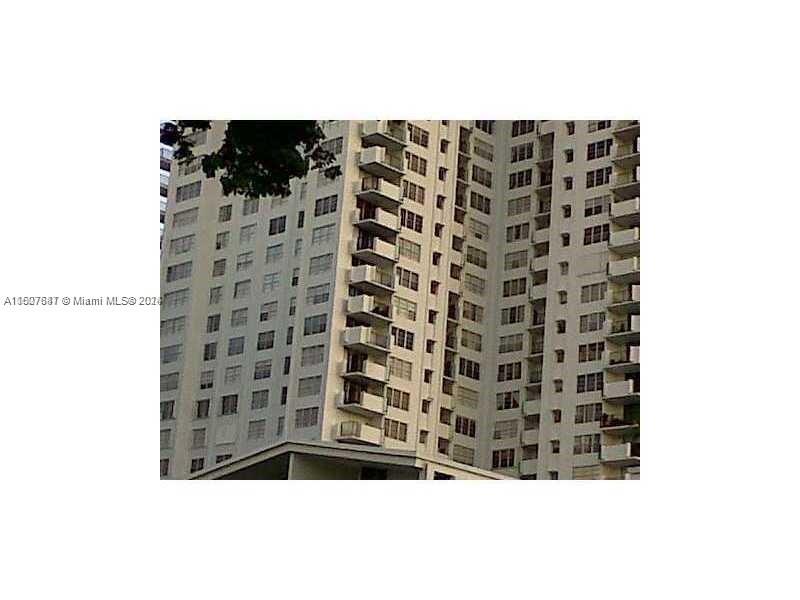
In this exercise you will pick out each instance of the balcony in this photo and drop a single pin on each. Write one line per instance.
(365, 339)
(627, 129)
(626, 361)
(621, 455)
(534, 379)
(537, 291)
(365, 372)
(353, 432)
(375, 251)
(530, 437)
(626, 156)
(379, 192)
(625, 301)
(545, 156)
(621, 392)
(616, 425)
(369, 310)
(538, 320)
(361, 403)
(532, 406)
(623, 332)
(528, 467)
(371, 280)
(377, 222)
(539, 263)
(626, 213)
(389, 134)
(624, 242)
(624, 271)
(536, 351)
(625, 184)
(380, 163)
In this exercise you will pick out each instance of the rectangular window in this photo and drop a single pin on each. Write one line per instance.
(230, 404)
(268, 311)
(239, 317)
(262, 369)
(596, 206)
(256, 429)
(225, 213)
(591, 352)
(471, 340)
(506, 429)
(274, 253)
(474, 284)
(272, 281)
(233, 374)
(312, 355)
(407, 278)
(250, 206)
(480, 202)
(479, 230)
(510, 343)
(514, 287)
(482, 176)
(416, 163)
(592, 322)
(170, 354)
(522, 152)
(465, 426)
(418, 135)
(309, 386)
(513, 314)
(395, 429)
(241, 289)
(181, 245)
(522, 127)
(517, 232)
(320, 264)
(405, 308)
(322, 235)
(326, 205)
(598, 177)
(397, 398)
(509, 371)
(399, 368)
(520, 179)
(409, 249)
(477, 257)
(235, 346)
(176, 298)
(318, 294)
(180, 271)
(402, 338)
(259, 400)
(173, 326)
(218, 269)
(188, 191)
(469, 368)
(516, 260)
(502, 459)
(507, 400)
(410, 220)
(306, 417)
(590, 382)
(277, 225)
(315, 324)
(598, 149)
(414, 192)
(184, 218)
(518, 206)
(593, 292)
(266, 341)
(472, 312)
(169, 382)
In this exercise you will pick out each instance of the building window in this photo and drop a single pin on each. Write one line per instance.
(239, 317)
(418, 135)
(306, 417)
(233, 374)
(318, 294)
(509, 371)
(522, 127)
(262, 369)
(593, 292)
(197, 464)
(168, 410)
(308, 386)
(241, 289)
(469, 368)
(202, 409)
(250, 206)
(235, 346)
(598, 149)
(507, 400)
(225, 213)
(256, 429)
(400, 368)
(324, 206)
(410, 220)
(219, 268)
(315, 324)
(592, 322)
(164, 467)
(502, 459)
(395, 430)
(230, 404)
(322, 235)
(465, 426)
(590, 382)
(588, 413)
(416, 163)
(397, 398)
(259, 400)
(180, 271)
(598, 177)
(320, 264)
(277, 225)
(198, 438)
(266, 340)
(596, 234)
(591, 352)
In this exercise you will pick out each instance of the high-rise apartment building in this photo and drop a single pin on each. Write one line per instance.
(165, 167)
(467, 291)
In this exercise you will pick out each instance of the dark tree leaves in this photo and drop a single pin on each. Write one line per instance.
(257, 158)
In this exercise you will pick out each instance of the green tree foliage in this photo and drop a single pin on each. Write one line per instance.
(257, 158)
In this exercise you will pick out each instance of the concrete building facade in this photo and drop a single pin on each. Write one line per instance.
(465, 291)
